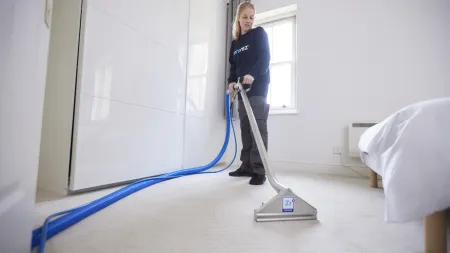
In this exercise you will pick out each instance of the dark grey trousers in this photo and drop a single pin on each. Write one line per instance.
(251, 160)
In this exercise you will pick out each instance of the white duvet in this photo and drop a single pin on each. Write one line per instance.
(411, 151)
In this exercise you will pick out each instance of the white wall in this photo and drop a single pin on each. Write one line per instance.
(149, 91)
(59, 97)
(23, 48)
(358, 60)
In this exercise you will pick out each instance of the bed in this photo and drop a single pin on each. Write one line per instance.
(410, 151)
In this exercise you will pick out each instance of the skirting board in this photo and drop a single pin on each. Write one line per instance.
(323, 169)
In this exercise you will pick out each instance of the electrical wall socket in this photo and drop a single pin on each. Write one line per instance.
(337, 151)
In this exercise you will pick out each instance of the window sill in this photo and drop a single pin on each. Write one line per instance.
(283, 111)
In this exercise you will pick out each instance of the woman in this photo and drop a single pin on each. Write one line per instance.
(249, 59)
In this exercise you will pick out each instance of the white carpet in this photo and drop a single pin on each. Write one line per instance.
(214, 213)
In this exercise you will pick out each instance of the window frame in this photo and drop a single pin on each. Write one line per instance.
(274, 20)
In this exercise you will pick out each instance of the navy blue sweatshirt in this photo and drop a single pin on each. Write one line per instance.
(250, 55)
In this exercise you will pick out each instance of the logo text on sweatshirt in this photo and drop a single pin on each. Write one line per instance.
(244, 48)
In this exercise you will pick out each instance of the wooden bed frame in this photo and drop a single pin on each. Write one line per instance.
(435, 225)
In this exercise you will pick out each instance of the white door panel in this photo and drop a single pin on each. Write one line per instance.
(116, 142)
(131, 88)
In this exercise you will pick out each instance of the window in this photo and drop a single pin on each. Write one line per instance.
(282, 40)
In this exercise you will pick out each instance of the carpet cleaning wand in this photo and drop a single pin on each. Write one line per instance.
(285, 205)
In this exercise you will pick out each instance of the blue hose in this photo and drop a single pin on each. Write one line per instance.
(74, 215)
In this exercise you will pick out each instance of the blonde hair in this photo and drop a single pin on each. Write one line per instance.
(236, 25)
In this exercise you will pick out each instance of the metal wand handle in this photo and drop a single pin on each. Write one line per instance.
(259, 142)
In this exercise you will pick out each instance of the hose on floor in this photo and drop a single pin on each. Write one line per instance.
(69, 217)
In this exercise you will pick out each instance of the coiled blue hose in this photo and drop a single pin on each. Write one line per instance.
(74, 215)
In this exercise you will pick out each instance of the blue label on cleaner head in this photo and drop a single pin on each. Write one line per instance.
(288, 204)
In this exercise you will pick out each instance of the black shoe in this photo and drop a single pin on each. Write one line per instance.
(257, 179)
(240, 173)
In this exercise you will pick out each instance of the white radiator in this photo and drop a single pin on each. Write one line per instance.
(355, 130)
